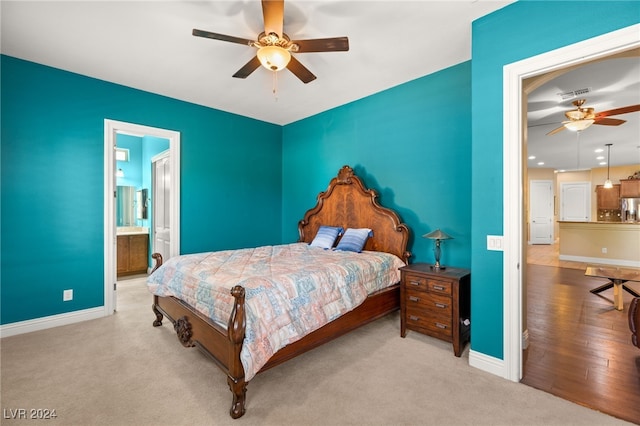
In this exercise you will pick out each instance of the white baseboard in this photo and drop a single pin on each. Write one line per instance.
(43, 323)
(487, 363)
(601, 261)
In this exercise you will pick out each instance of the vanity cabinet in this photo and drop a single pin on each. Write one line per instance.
(630, 188)
(608, 198)
(133, 254)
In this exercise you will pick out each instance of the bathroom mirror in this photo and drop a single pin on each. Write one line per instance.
(124, 206)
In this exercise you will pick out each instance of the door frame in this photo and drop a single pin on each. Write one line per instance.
(111, 129)
(152, 229)
(514, 126)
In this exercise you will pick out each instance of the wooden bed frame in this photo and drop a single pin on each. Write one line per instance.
(345, 203)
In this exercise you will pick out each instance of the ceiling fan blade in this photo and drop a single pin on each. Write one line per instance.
(335, 44)
(617, 111)
(222, 37)
(609, 121)
(248, 68)
(556, 130)
(300, 71)
(273, 13)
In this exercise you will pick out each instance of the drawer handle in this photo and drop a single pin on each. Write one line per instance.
(441, 305)
(438, 287)
(414, 299)
(415, 282)
(441, 325)
(413, 318)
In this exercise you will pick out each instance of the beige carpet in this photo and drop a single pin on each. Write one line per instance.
(122, 371)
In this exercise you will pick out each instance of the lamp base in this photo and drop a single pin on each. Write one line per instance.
(438, 267)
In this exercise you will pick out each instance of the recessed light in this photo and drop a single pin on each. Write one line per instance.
(599, 150)
(541, 163)
(562, 170)
(532, 157)
(603, 163)
(600, 157)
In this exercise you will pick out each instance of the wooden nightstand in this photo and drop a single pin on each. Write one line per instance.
(436, 303)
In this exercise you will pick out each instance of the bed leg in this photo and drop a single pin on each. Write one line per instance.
(239, 390)
(235, 376)
(159, 316)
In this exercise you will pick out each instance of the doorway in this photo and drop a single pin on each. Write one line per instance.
(514, 108)
(111, 129)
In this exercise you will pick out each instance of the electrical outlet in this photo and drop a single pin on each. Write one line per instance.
(604, 250)
(67, 295)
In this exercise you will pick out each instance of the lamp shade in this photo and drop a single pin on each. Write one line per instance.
(274, 58)
(437, 235)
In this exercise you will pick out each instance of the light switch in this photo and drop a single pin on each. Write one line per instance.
(494, 242)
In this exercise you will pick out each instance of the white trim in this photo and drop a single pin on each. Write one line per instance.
(486, 363)
(600, 260)
(111, 128)
(587, 50)
(44, 323)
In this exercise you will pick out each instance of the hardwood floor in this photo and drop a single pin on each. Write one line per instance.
(579, 346)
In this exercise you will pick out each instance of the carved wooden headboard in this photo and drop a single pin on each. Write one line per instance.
(347, 203)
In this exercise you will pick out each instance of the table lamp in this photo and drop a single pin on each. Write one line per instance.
(437, 236)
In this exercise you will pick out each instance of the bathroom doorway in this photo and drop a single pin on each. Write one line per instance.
(113, 129)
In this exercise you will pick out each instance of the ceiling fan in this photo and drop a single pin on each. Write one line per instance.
(275, 47)
(581, 117)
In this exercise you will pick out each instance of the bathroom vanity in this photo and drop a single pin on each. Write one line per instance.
(133, 250)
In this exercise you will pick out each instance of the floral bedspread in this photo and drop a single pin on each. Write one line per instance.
(290, 290)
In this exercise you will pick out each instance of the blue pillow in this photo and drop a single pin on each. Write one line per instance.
(326, 236)
(354, 239)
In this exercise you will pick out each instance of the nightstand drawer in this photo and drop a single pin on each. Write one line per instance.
(440, 325)
(436, 303)
(416, 282)
(443, 287)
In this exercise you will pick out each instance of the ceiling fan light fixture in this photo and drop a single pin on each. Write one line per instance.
(274, 58)
(578, 125)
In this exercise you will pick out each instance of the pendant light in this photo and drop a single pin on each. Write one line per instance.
(607, 183)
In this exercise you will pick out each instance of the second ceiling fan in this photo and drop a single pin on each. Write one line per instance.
(275, 47)
(581, 117)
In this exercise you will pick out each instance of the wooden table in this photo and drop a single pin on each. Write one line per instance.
(617, 276)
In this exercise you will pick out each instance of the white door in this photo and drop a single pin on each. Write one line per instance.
(161, 178)
(541, 211)
(575, 202)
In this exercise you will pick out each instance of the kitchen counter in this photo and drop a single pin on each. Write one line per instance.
(609, 243)
(601, 222)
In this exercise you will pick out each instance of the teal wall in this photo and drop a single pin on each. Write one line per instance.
(518, 31)
(411, 143)
(52, 167)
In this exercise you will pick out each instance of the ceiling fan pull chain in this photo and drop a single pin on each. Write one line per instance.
(275, 85)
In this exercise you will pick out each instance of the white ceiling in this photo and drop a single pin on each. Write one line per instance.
(613, 83)
(148, 45)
